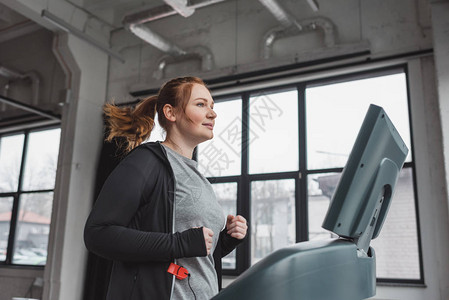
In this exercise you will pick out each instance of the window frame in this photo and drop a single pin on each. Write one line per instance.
(17, 194)
(301, 190)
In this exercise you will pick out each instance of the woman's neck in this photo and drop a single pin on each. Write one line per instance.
(180, 147)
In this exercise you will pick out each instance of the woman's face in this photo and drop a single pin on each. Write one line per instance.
(198, 122)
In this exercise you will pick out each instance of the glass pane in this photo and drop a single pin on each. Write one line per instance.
(227, 197)
(221, 156)
(273, 132)
(320, 190)
(5, 219)
(397, 253)
(11, 148)
(335, 114)
(33, 226)
(392, 260)
(272, 216)
(158, 133)
(41, 160)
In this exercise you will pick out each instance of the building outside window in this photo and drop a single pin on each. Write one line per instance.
(28, 162)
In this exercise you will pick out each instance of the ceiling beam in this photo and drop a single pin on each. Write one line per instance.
(18, 30)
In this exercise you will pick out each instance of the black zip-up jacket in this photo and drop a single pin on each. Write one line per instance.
(131, 223)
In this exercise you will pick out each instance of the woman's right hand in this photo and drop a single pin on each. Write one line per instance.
(208, 234)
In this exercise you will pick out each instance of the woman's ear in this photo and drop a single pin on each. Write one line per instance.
(169, 112)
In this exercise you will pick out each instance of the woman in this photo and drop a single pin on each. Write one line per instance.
(155, 208)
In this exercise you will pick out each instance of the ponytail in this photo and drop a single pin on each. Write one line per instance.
(133, 124)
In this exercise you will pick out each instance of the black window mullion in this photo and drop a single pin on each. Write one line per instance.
(302, 216)
(12, 229)
(417, 216)
(412, 166)
(273, 176)
(244, 190)
(328, 170)
(15, 205)
(37, 191)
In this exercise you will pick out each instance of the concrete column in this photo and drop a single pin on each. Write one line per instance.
(440, 25)
(82, 132)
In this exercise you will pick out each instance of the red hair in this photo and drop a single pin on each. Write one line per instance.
(135, 124)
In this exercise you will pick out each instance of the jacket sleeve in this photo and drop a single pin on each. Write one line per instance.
(227, 243)
(107, 232)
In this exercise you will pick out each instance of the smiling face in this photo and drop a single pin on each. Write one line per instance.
(198, 120)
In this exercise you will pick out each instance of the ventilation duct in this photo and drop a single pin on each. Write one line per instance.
(279, 13)
(306, 25)
(163, 11)
(291, 27)
(135, 24)
(156, 40)
(180, 6)
(12, 75)
(314, 5)
(207, 61)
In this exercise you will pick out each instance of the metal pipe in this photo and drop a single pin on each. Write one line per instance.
(314, 5)
(152, 38)
(181, 7)
(29, 108)
(290, 27)
(162, 11)
(278, 12)
(10, 74)
(276, 33)
(4, 93)
(34, 124)
(13, 75)
(328, 28)
(201, 53)
(135, 24)
(35, 83)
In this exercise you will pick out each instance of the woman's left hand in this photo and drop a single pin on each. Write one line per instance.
(236, 226)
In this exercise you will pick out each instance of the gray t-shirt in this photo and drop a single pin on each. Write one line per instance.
(195, 206)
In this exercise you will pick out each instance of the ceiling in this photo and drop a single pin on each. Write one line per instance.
(113, 11)
(13, 24)
(110, 12)
(9, 17)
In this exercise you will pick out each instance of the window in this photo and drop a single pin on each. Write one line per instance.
(328, 149)
(278, 154)
(227, 198)
(221, 156)
(273, 117)
(28, 162)
(272, 215)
